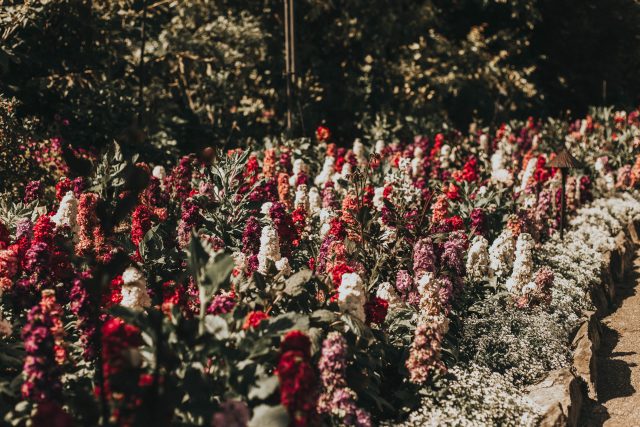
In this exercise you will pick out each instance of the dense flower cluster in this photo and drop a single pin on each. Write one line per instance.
(177, 285)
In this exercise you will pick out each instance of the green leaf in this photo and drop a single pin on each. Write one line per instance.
(269, 416)
(295, 285)
(264, 388)
(216, 326)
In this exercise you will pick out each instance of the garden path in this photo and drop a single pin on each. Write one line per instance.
(619, 358)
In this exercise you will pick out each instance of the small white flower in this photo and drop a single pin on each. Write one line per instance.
(269, 248)
(352, 295)
(387, 292)
(282, 265)
(478, 259)
(134, 289)
(327, 171)
(159, 172)
(379, 146)
(315, 201)
(67, 213)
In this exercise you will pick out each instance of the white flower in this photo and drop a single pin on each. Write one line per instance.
(528, 172)
(327, 171)
(478, 259)
(301, 199)
(501, 254)
(269, 248)
(379, 146)
(359, 151)
(378, 197)
(266, 206)
(523, 264)
(67, 213)
(159, 172)
(298, 167)
(387, 292)
(315, 201)
(282, 265)
(134, 289)
(352, 295)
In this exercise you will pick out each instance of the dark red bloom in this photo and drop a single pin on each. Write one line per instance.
(296, 340)
(322, 133)
(376, 310)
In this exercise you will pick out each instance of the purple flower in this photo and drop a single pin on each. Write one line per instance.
(337, 398)
(32, 191)
(453, 255)
(423, 257)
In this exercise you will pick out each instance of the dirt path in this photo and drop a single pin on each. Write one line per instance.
(619, 359)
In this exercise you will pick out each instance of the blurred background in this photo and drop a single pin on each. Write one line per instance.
(213, 70)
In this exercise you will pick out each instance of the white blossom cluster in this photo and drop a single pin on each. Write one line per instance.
(352, 295)
(270, 251)
(67, 214)
(523, 265)
(473, 396)
(478, 262)
(501, 254)
(134, 289)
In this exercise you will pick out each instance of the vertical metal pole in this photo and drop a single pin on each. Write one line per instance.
(288, 70)
(563, 204)
(141, 73)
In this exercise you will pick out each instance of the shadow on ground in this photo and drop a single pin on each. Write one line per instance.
(614, 374)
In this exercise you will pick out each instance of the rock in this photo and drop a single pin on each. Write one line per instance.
(606, 277)
(585, 344)
(558, 398)
(632, 231)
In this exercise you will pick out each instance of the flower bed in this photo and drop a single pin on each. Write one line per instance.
(308, 284)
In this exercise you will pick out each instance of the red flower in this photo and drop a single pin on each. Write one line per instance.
(322, 133)
(455, 222)
(296, 341)
(452, 192)
(254, 319)
(376, 310)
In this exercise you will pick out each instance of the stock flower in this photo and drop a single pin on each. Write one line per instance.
(190, 219)
(440, 209)
(478, 220)
(67, 213)
(337, 399)
(523, 264)
(269, 248)
(478, 260)
(222, 303)
(44, 346)
(287, 235)
(298, 392)
(322, 133)
(423, 257)
(376, 310)
(453, 254)
(501, 253)
(32, 191)
(253, 319)
(86, 312)
(352, 295)
(387, 292)
(424, 356)
(140, 223)
(134, 289)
